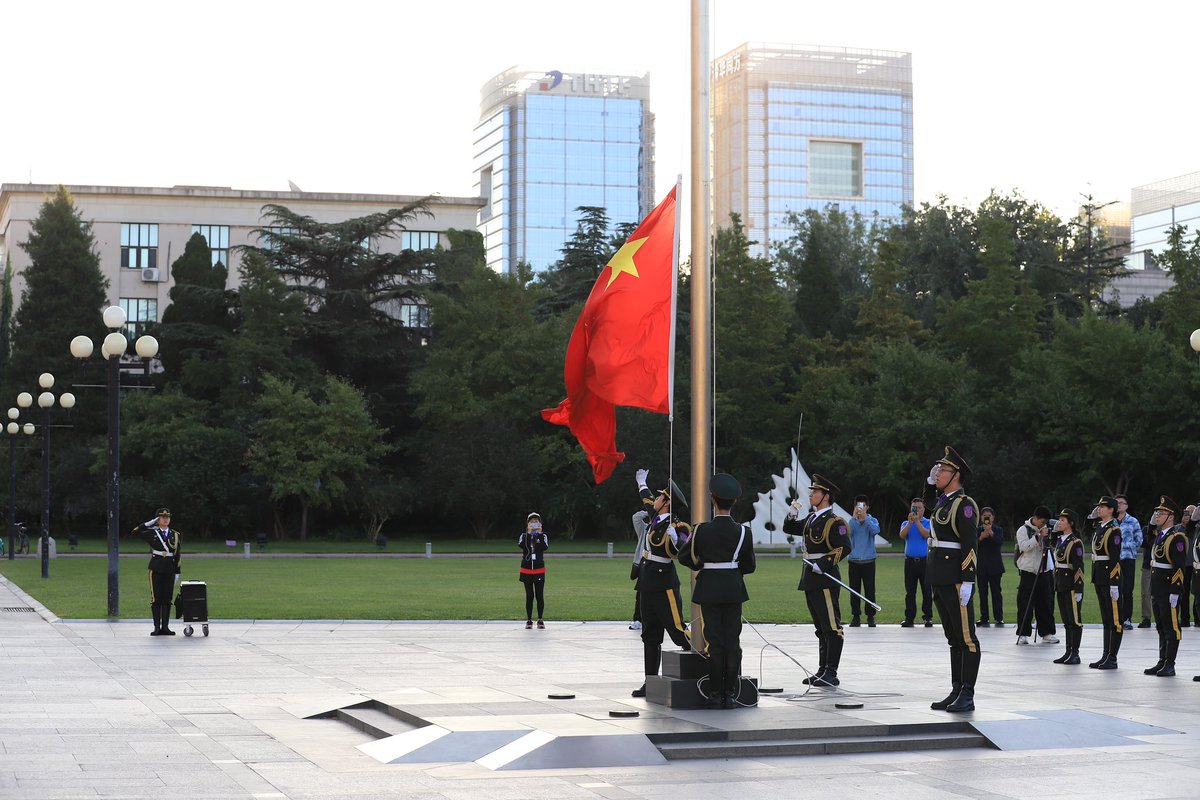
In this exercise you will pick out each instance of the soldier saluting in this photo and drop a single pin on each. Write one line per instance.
(825, 540)
(164, 542)
(1168, 556)
(658, 583)
(951, 563)
(1068, 582)
(721, 551)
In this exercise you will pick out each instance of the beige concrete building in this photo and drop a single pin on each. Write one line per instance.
(139, 231)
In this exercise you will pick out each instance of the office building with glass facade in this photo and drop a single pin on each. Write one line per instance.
(550, 142)
(798, 127)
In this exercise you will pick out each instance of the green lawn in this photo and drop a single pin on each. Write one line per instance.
(395, 545)
(388, 588)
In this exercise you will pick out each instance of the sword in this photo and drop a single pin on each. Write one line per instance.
(847, 588)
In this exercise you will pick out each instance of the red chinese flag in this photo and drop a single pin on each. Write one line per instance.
(620, 351)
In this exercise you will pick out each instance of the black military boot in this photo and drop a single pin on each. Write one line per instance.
(157, 624)
(1066, 655)
(1162, 657)
(1167, 671)
(1096, 664)
(829, 677)
(965, 700)
(165, 610)
(1072, 657)
(1168, 668)
(823, 660)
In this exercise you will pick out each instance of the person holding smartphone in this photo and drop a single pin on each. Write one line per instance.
(863, 530)
(914, 532)
(533, 544)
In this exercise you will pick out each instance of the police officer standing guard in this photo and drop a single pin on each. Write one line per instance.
(1168, 555)
(826, 539)
(164, 566)
(1106, 577)
(721, 551)
(952, 560)
(658, 584)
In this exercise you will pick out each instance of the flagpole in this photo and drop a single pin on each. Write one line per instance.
(701, 286)
(674, 302)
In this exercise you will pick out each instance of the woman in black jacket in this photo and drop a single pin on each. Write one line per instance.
(533, 544)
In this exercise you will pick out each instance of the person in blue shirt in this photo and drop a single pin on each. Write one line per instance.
(1131, 540)
(914, 532)
(863, 530)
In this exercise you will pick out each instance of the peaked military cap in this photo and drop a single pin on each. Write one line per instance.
(1170, 506)
(954, 460)
(1107, 500)
(824, 484)
(676, 496)
(163, 512)
(1072, 517)
(724, 486)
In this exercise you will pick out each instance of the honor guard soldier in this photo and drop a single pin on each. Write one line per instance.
(1068, 582)
(164, 542)
(951, 564)
(1106, 576)
(658, 583)
(826, 540)
(721, 552)
(1168, 556)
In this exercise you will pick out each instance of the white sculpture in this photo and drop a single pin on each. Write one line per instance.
(772, 506)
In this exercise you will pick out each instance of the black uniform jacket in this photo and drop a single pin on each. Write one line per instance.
(721, 541)
(954, 520)
(1168, 557)
(533, 563)
(991, 554)
(165, 550)
(826, 542)
(1106, 553)
(1068, 564)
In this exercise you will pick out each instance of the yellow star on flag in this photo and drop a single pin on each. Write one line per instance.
(623, 260)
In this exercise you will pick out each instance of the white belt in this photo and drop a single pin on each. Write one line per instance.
(1099, 558)
(812, 559)
(659, 559)
(159, 553)
(722, 565)
(1161, 565)
(947, 545)
(1066, 567)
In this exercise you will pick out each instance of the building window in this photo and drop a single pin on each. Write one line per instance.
(834, 169)
(418, 240)
(139, 245)
(140, 313)
(217, 237)
(273, 233)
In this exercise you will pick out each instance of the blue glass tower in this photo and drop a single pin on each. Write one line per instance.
(548, 143)
(798, 128)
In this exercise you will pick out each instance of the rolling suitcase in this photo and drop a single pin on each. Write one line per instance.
(192, 605)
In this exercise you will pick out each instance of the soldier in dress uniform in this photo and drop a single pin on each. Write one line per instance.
(721, 552)
(164, 542)
(658, 583)
(1168, 555)
(1105, 535)
(1068, 582)
(826, 540)
(951, 563)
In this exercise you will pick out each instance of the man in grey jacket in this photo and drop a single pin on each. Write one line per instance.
(1035, 593)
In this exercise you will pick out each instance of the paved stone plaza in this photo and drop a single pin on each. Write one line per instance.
(99, 709)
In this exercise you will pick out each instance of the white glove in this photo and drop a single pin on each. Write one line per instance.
(641, 476)
(794, 510)
(933, 471)
(1196, 514)
(1114, 593)
(964, 593)
(814, 567)
(150, 523)
(1174, 600)
(1079, 597)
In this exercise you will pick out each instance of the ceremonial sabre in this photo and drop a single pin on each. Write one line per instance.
(847, 588)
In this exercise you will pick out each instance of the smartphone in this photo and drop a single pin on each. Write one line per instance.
(860, 506)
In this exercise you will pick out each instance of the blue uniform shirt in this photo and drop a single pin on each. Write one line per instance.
(862, 538)
(916, 545)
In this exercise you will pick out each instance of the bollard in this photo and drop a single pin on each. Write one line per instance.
(429, 549)
(247, 549)
(610, 549)
(793, 546)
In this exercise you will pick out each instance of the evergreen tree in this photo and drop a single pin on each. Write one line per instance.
(569, 281)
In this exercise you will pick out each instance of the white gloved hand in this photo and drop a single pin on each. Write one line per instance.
(150, 523)
(794, 510)
(964, 593)
(816, 568)
(1196, 514)
(933, 471)
(1079, 597)
(1174, 600)
(1114, 593)
(641, 476)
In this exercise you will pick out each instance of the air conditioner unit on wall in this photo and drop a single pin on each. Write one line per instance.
(151, 274)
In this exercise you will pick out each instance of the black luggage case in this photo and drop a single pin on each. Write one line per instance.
(192, 605)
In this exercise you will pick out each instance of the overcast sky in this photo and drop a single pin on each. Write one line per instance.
(1054, 98)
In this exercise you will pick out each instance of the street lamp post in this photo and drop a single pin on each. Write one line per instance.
(112, 349)
(45, 401)
(13, 428)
